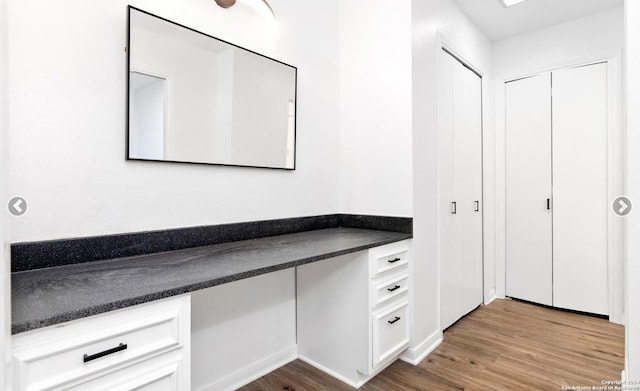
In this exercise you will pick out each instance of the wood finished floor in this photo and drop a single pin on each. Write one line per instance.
(507, 345)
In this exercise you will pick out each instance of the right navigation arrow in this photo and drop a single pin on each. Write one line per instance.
(622, 206)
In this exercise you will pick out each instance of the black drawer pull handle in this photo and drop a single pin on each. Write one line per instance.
(394, 288)
(90, 357)
(393, 321)
(477, 206)
(394, 260)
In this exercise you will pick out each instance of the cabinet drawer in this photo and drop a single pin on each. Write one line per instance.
(387, 289)
(54, 357)
(163, 373)
(390, 332)
(389, 259)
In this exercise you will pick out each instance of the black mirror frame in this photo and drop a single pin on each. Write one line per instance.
(128, 53)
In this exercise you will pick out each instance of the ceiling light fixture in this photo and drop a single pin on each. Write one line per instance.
(260, 6)
(509, 3)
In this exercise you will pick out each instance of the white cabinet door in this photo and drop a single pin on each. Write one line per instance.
(460, 146)
(467, 187)
(450, 246)
(580, 184)
(528, 187)
(390, 332)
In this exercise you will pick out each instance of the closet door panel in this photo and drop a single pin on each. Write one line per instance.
(450, 240)
(580, 183)
(528, 186)
(467, 134)
(460, 181)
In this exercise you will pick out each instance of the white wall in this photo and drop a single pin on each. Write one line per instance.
(632, 66)
(559, 45)
(253, 321)
(5, 282)
(375, 107)
(586, 39)
(67, 125)
(435, 21)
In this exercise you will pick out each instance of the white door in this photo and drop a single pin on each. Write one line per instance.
(460, 147)
(450, 240)
(467, 166)
(580, 184)
(528, 189)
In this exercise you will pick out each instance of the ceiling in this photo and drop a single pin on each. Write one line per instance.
(499, 22)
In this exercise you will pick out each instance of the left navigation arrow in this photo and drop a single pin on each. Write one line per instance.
(17, 206)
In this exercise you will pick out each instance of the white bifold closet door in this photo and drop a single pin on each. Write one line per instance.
(580, 184)
(528, 189)
(460, 147)
(556, 189)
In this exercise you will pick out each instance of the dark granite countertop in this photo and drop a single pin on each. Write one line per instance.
(49, 296)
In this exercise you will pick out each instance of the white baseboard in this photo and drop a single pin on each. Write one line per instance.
(329, 371)
(254, 371)
(491, 296)
(415, 355)
(269, 364)
(356, 384)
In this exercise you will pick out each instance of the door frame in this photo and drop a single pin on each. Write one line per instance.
(444, 46)
(616, 227)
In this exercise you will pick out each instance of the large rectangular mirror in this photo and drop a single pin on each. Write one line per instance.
(197, 99)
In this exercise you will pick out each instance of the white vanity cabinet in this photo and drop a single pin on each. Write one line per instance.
(353, 312)
(144, 347)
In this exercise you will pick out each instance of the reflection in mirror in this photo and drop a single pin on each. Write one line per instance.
(197, 99)
(147, 105)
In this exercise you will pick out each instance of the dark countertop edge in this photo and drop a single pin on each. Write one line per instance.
(17, 328)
